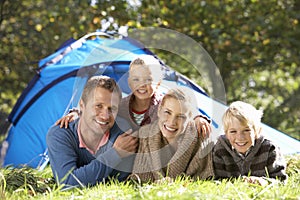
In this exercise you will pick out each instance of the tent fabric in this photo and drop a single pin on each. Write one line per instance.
(58, 84)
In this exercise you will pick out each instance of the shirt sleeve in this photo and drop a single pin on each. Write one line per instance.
(64, 160)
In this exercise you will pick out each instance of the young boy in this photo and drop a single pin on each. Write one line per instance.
(140, 107)
(243, 151)
(170, 146)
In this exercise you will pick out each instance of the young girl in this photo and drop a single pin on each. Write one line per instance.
(170, 146)
(243, 150)
(140, 107)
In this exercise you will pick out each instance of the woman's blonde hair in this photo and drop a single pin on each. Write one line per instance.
(245, 113)
(181, 94)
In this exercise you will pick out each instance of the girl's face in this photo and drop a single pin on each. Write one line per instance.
(172, 118)
(140, 82)
(241, 136)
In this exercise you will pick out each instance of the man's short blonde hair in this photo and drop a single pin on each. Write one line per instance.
(101, 81)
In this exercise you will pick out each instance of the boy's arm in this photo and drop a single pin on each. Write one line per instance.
(276, 164)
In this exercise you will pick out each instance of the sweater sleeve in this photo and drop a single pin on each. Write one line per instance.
(276, 164)
(64, 158)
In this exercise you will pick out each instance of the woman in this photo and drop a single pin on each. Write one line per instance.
(170, 146)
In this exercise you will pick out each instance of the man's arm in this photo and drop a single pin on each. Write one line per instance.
(71, 165)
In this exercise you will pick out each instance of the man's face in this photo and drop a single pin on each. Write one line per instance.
(100, 110)
(140, 82)
(173, 118)
(240, 136)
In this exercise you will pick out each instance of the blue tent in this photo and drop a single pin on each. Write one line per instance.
(58, 84)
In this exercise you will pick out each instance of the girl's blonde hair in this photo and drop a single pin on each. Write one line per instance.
(245, 113)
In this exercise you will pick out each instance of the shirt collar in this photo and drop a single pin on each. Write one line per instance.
(245, 154)
(103, 141)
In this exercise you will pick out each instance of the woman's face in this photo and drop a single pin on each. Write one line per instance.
(172, 118)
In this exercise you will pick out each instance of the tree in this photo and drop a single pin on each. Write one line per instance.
(254, 44)
(37, 28)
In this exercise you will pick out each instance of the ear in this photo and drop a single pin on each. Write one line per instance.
(81, 104)
(157, 85)
(259, 132)
(158, 109)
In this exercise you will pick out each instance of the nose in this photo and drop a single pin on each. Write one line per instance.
(172, 120)
(104, 114)
(240, 136)
(144, 82)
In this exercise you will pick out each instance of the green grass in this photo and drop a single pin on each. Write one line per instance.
(32, 184)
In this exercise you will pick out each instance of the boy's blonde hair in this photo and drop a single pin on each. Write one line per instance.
(149, 61)
(245, 113)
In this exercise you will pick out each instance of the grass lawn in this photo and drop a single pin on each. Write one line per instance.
(32, 184)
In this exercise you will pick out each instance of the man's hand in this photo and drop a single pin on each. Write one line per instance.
(126, 144)
(203, 126)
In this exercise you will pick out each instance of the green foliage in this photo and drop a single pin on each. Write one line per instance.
(254, 44)
(36, 29)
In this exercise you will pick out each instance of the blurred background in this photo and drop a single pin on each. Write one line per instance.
(255, 44)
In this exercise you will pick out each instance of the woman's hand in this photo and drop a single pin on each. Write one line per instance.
(203, 126)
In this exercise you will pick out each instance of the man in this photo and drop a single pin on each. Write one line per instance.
(92, 148)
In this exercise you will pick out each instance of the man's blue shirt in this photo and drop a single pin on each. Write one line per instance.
(73, 165)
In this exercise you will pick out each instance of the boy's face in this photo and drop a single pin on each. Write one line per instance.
(241, 136)
(172, 118)
(100, 110)
(140, 82)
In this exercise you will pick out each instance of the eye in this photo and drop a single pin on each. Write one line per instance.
(182, 117)
(232, 132)
(247, 130)
(167, 112)
(135, 80)
(114, 109)
(99, 106)
(149, 80)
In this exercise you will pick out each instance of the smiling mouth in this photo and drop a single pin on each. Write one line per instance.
(169, 128)
(142, 91)
(241, 144)
(101, 123)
